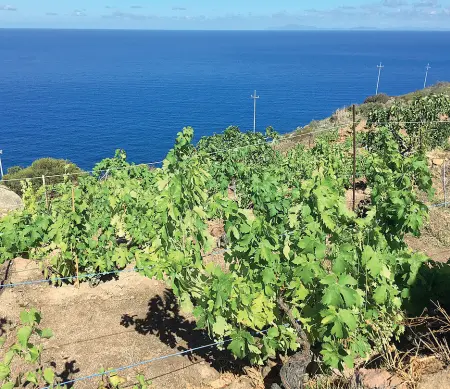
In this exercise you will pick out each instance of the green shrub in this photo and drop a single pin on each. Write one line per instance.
(381, 98)
(45, 166)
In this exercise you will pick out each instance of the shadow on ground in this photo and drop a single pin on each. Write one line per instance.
(4, 323)
(164, 320)
(431, 287)
(67, 374)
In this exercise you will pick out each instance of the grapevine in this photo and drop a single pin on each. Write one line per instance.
(300, 265)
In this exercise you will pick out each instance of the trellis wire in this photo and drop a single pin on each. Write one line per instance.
(70, 278)
(146, 362)
(127, 367)
(293, 135)
(83, 276)
(88, 172)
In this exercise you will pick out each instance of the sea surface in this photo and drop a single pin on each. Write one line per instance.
(79, 95)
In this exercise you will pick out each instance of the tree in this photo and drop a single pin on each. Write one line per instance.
(45, 166)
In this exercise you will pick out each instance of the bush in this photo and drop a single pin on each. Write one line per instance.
(40, 167)
(381, 98)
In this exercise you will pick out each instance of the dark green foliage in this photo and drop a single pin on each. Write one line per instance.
(381, 98)
(236, 156)
(45, 166)
(415, 125)
(14, 169)
(432, 287)
(110, 165)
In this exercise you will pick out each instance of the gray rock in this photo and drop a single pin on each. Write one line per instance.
(9, 201)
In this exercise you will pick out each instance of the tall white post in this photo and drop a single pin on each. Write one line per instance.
(426, 76)
(254, 97)
(380, 66)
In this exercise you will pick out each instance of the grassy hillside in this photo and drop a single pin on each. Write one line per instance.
(342, 118)
(434, 240)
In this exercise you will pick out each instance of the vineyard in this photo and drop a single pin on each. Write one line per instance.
(297, 268)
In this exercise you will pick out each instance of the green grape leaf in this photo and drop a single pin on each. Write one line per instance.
(320, 251)
(286, 249)
(273, 332)
(347, 279)
(186, 304)
(348, 318)
(4, 371)
(33, 354)
(31, 377)
(337, 330)
(268, 276)
(116, 381)
(8, 357)
(237, 347)
(301, 292)
(220, 326)
(349, 361)
(330, 356)
(380, 294)
(374, 266)
(46, 333)
(49, 375)
(332, 297)
(339, 264)
(350, 296)
(23, 335)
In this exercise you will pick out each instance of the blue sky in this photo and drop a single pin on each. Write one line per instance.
(228, 14)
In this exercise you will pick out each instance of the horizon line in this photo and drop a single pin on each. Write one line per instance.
(268, 29)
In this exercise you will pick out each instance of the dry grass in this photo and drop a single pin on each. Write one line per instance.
(435, 338)
(332, 382)
(429, 352)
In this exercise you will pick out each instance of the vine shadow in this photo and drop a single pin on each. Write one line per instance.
(4, 324)
(429, 294)
(431, 287)
(164, 320)
(67, 373)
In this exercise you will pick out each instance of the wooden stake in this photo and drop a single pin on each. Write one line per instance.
(354, 157)
(77, 282)
(45, 189)
(420, 138)
(73, 199)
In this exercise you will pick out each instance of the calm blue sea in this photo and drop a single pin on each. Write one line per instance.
(82, 94)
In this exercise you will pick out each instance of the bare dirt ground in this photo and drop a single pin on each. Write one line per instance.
(440, 380)
(120, 322)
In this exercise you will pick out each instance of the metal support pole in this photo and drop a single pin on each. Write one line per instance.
(426, 76)
(254, 97)
(380, 66)
(354, 156)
